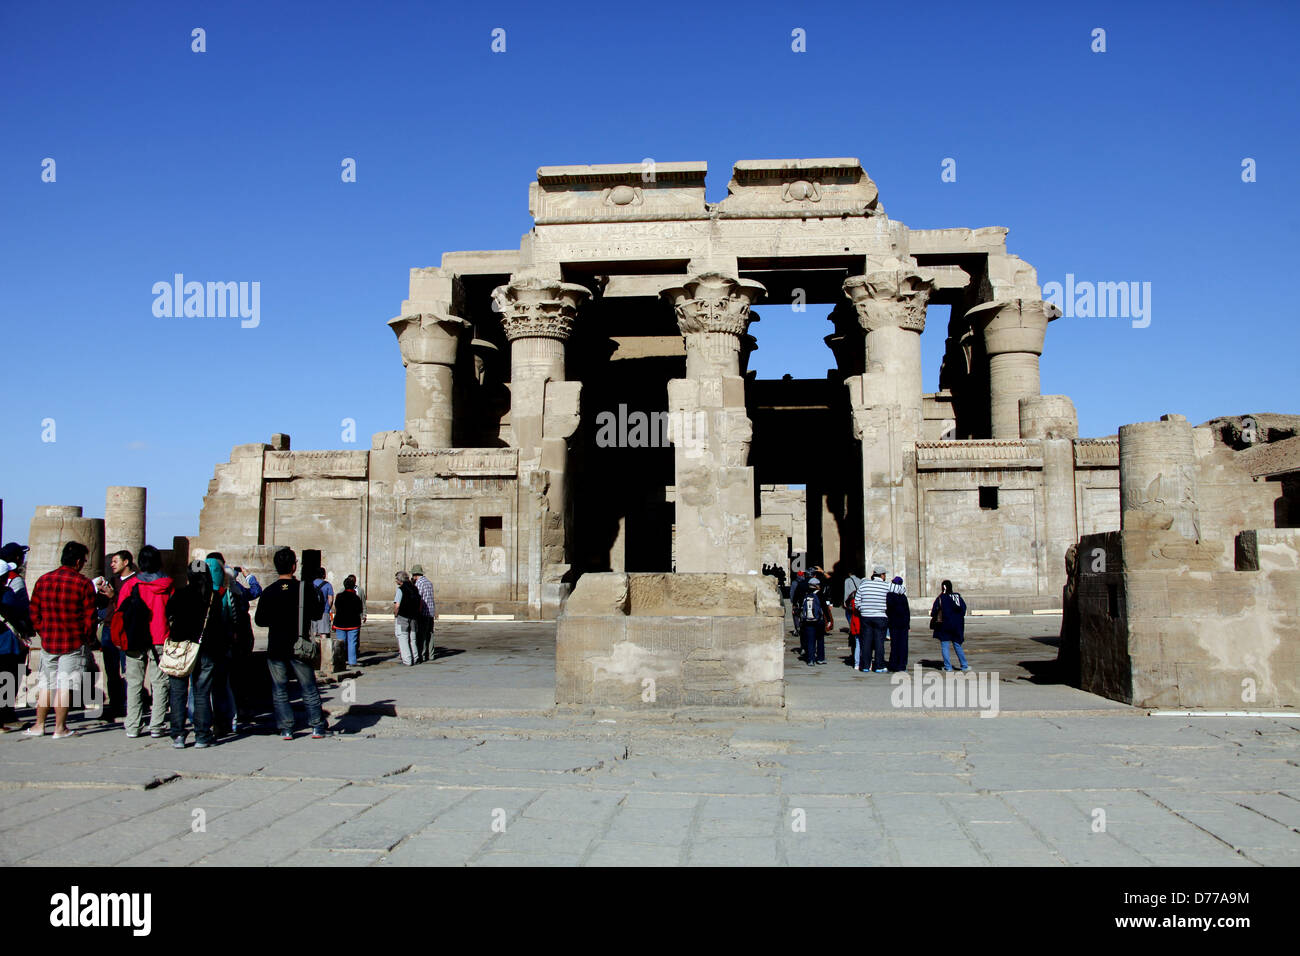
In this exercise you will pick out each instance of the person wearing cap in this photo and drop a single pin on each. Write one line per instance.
(424, 626)
(203, 612)
(15, 628)
(406, 617)
(798, 588)
(871, 601)
(813, 613)
(899, 613)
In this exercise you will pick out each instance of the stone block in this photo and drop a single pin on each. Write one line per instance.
(599, 594)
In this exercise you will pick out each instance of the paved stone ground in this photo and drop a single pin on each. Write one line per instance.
(491, 775)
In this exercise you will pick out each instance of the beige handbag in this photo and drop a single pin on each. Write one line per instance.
(178, 657)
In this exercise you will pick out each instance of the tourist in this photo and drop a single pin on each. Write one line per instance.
(899, 613)
(813, 612)
(15, 630)
(230, 706)
(286, 609)
(407, 607)
(948, 621)
(871, 606)
(321, 583)
(798, 588)
(851, 618)
(63, 613)
(203, 612)
(424, 629)
(121, 566)
(139, 629)
(347, 618)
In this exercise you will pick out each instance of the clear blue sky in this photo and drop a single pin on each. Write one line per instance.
(1115, 166)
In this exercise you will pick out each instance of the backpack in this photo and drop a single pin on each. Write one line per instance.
(136, 618)
(809, 609)
(410, 604)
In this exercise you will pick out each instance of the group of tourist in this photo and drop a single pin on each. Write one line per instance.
(413, 611)
(874, 609)
(199, 629)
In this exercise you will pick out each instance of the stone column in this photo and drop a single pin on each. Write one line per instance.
(430, 342)
(891, 310)
(538, 312)
(124, 520)
(714, 491)
(887, 413)
(1157, 477)
(1052, 420)
(53, 526)
(1013, 334)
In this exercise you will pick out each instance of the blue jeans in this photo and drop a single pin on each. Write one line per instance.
(280, 693)
(814, 642)
(209, 673)
(871, 643)
(353, 638)
(947, 662)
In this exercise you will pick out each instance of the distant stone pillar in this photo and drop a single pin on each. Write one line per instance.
(1013, 339)
(53, 526)
(714, 485)
(1051, 419)
(887, 413)
(430, 342)
(891, 309)
(1157, 477)
(124, 519)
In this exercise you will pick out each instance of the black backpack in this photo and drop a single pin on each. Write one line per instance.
(410, 605)
(136, 617)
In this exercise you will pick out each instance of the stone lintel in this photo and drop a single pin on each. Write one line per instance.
(798, 188)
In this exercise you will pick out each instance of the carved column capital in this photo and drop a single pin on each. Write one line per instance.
(429, 337)
(890, 299)
(1014, 325)
(535, 307)
(713, 302)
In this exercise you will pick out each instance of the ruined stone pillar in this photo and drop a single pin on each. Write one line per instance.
(53, 526)
(1052, 420)
(1157, 477)
(124, 520)
(715, 521)
(1013, 334)
(430, 343)
(887, 412)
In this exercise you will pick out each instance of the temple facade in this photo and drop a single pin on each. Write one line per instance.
(582, 404)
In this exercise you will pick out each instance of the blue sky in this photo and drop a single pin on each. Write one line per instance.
(224, 165)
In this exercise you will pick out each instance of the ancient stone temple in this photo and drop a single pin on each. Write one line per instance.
(583, 404)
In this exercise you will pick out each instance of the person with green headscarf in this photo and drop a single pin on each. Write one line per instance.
(204, 612)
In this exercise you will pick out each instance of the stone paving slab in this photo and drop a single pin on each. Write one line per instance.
(810, 787)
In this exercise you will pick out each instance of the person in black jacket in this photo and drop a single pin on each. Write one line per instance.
(201, 612)
(899, 613)
(347, 617)
(287, 609)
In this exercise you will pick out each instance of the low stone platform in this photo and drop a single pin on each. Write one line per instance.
(656, 640)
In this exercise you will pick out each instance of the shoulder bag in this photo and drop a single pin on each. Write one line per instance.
(305, 650)
(179, 657)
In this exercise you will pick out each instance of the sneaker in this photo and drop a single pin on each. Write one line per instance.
(966, 668)
(320, 733)
(200, 745)
(157, 734)
(286, 735)
(882, 670)
(822, 661)
(178, 743)
(131, 735)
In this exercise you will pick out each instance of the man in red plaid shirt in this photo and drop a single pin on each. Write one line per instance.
(63, 613)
